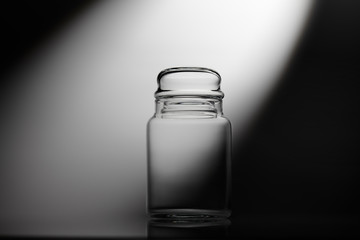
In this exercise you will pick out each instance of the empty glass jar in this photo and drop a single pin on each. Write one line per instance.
(189, 147)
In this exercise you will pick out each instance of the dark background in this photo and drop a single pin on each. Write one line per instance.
(25, 25)
(302, 155)
(298, 167)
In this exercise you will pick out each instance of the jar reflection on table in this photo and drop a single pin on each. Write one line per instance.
(206, 229)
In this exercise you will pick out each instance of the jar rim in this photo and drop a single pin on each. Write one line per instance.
(187, 69)
(211, 93)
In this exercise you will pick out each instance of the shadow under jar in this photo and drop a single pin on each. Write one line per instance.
(189, 147)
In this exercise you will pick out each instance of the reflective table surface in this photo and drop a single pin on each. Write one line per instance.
(297, 226)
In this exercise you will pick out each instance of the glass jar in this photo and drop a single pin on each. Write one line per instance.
(189, 147)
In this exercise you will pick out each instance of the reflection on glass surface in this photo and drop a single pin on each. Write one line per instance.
(188, 229)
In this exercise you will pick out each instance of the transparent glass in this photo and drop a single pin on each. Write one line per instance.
(189, 147)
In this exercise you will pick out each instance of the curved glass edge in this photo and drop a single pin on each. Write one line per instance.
(189, 93)
(187, 69)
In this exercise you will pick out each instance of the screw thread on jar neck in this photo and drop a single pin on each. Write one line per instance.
(189, 107)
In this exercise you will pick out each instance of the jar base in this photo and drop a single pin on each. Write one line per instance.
(188, 214)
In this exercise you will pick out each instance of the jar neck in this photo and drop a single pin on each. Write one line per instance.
(188, 107)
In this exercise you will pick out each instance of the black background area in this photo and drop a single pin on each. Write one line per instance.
(298, 168)
(302, 153)
(26, 25)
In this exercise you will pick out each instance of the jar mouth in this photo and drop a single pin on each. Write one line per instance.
(189, 81)
(187, 69)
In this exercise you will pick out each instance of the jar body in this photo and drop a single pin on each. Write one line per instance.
(189, 159)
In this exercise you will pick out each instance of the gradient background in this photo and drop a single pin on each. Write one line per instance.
(77, 84)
